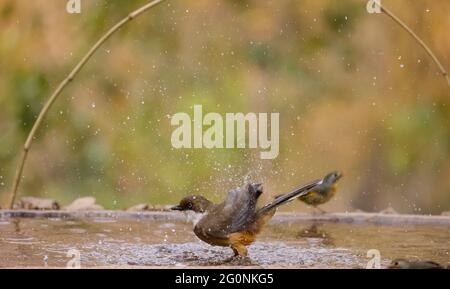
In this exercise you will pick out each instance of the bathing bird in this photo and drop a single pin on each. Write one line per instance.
(406, 264)
(322, 192)
(236, 221)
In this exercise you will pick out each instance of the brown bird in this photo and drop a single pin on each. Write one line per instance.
(235, 222)
(406, 264)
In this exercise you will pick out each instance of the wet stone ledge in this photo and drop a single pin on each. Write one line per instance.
(344, 218)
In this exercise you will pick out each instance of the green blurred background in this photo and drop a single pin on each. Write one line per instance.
(353, 90)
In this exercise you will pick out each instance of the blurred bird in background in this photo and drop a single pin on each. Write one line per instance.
(323, 192)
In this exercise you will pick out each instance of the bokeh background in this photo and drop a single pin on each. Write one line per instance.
(354, 93)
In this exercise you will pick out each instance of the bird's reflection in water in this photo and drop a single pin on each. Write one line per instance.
(16, 223)
(314, 231)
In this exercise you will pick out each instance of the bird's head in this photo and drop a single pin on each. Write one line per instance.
(194, 203)
(256, 189)
(332, 177)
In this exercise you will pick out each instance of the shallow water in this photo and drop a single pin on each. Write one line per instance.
(120, 243)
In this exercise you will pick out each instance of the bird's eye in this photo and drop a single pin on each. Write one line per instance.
(189, 206)
(396, 263)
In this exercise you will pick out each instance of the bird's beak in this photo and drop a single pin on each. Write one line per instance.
(177, 208)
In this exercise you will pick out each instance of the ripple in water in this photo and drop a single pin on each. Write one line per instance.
(20, 241)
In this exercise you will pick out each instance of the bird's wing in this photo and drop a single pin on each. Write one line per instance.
(237, 213)
(240, 206)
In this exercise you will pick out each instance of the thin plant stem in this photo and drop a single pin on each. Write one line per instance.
(60, 88)
(419, 40)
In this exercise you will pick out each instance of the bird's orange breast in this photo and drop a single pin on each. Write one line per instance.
(244, 238)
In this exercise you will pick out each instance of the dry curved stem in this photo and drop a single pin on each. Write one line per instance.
(62, 85)
(420, 41)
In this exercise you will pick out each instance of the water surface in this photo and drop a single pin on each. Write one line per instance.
(28, 242)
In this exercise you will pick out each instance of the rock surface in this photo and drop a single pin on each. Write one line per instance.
(83, 204)
(140, 207)
(389, 211)
(34, 203)
(148, 207)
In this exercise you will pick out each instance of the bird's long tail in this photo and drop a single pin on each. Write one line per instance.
(288, 197)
